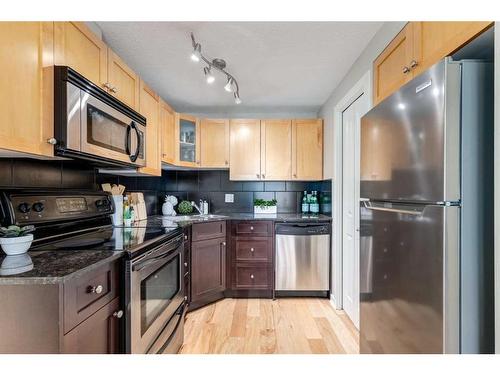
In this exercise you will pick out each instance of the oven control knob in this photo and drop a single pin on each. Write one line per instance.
(24, 207)
(38, 206)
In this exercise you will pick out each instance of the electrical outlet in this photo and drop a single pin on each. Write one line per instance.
(229, 198)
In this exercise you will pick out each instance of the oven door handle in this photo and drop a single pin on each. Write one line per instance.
(135, 155)
(149, 262)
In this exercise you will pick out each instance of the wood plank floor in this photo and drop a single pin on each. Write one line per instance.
(264, 326)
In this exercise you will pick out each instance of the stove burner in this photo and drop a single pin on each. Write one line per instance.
(79, 243)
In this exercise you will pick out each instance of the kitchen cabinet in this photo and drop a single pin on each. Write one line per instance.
(187, 132)
(75, 45)
(168, 144)
(214, 143)
(435, 40)
(251, 262)
(26, 95)
(276, 149)
(208, 263)
(149, 107)
(244, 150)
(307, 149)
(80, 315)
(391, 68)
(417, 47)
(99, 334)
(122, 82)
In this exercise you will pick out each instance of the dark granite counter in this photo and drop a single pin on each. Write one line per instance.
(52, 267)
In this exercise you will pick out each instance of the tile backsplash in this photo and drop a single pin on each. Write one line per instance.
(191, 185)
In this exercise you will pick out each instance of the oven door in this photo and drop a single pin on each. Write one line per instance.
(107, 133)
(157, 292)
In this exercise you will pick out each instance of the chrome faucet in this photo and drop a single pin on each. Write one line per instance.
(197, 207)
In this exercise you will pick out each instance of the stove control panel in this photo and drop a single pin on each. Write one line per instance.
(37, 208)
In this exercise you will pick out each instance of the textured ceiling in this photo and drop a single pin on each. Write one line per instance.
(279, 66)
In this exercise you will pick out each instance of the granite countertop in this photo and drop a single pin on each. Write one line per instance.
(52, 267)
(223, 216)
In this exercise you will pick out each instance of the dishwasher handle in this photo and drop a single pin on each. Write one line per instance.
(303, 229)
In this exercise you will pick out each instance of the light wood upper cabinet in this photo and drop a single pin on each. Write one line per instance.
(244, 150)
(167, 121)
(149, 107)
(307, 149)
(435, 40)
(391, 68)
(276, 149)
(26, 87)
(417, 47)
(123, 82)
(75, 45)
(187, 134)
(214, 143)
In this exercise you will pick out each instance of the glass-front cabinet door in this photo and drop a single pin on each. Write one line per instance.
(188, 136)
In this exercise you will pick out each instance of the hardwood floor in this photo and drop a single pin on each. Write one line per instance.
(264, 326)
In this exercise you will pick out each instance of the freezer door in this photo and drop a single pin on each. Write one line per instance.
(409, 278)
(410, 142)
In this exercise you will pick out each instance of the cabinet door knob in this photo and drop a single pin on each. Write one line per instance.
(223, 244)
(95, 289)
(258, 175)
(252, 249)
(251, 276)
(263, 176)
(226, 162)
(406, 70)
(185, 237)
(52, 141)
(413, 63)
(118, 314)
(107, 85)
(185, 264)
(251, 228)
(113, 89)
(295, 175)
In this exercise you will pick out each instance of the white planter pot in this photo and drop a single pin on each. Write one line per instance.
(16, 245)
(265, 209)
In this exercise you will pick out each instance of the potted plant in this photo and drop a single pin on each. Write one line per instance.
(262, 206)
(15, 240)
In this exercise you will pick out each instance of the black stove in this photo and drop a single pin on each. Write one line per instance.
(75, 220)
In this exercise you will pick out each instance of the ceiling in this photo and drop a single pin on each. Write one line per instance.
(280, 66)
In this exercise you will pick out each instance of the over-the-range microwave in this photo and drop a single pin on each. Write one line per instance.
(91, 124)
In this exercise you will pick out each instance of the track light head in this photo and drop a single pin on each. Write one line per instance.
(208, 75)
(237, 99)
(195, 55)
(229, 85)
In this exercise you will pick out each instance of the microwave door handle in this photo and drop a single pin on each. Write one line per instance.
(134, 156)
(127, 140)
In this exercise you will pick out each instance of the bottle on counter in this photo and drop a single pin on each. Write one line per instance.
(305, 203)
(314, 205)
(205, 207)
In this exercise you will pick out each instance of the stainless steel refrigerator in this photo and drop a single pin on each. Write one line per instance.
(426, 214)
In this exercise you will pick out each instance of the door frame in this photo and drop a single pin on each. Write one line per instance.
(362, 87)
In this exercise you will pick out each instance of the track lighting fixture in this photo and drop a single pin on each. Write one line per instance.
(219, 65)
(208, 75)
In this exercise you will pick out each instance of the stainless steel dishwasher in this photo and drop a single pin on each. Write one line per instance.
(302, 259)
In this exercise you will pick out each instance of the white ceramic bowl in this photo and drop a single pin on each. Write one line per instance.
(16, 245)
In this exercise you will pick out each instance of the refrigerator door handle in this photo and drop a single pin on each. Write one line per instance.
(369, 206)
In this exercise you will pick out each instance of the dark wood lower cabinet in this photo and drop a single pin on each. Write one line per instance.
(98, 334)
(208, 267)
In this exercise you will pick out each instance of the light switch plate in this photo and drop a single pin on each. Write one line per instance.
(229, 198)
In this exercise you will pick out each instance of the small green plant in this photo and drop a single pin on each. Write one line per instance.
(185, 207)
(264, 203)
(15, 231)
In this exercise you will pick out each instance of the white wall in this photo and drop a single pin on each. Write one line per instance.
(364, 63)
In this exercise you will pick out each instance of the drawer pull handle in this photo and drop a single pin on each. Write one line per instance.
(406, 70)
(95, 289)
(251, 276)
(252, 249)
(251, 228)
(118, 314)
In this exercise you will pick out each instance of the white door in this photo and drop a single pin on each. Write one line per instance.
(350, 207)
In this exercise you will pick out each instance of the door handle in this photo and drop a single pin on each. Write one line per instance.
(135, 155)
(368, 206)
